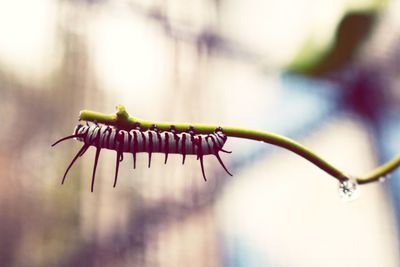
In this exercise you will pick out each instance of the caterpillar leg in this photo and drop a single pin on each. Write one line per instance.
(120, 158)
(134, 159)
(226, 151)
(222, 163)
(166, 148)
(95, 166)
(183, 149)
(150, 148)
(80, 153)
(202, 167)
(83, 152)
(166, 158)
(149, 159)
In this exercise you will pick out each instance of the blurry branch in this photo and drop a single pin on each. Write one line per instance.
(381, 172)
(122, 120)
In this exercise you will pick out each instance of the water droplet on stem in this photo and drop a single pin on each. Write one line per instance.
(348, 189)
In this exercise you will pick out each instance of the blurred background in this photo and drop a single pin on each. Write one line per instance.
(325, 73)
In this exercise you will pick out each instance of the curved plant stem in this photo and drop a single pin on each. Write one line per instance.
(122, 120)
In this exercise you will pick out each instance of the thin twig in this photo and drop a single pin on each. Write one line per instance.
(122, 120)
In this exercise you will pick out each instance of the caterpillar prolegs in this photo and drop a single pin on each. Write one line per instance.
(149, 141)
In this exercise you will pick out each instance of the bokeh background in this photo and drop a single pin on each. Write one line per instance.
(323, 72)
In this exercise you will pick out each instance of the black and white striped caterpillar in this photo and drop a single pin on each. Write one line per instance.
(149, 141)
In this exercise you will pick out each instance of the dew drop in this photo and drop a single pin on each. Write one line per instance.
(384, 178)
(348, 189)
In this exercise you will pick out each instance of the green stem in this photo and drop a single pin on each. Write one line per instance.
(122, 120)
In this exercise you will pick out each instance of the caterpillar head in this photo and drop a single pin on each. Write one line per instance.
(78, 128)
(78, 134)
(80, 131)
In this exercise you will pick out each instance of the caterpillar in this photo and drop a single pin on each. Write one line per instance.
(149, 141)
